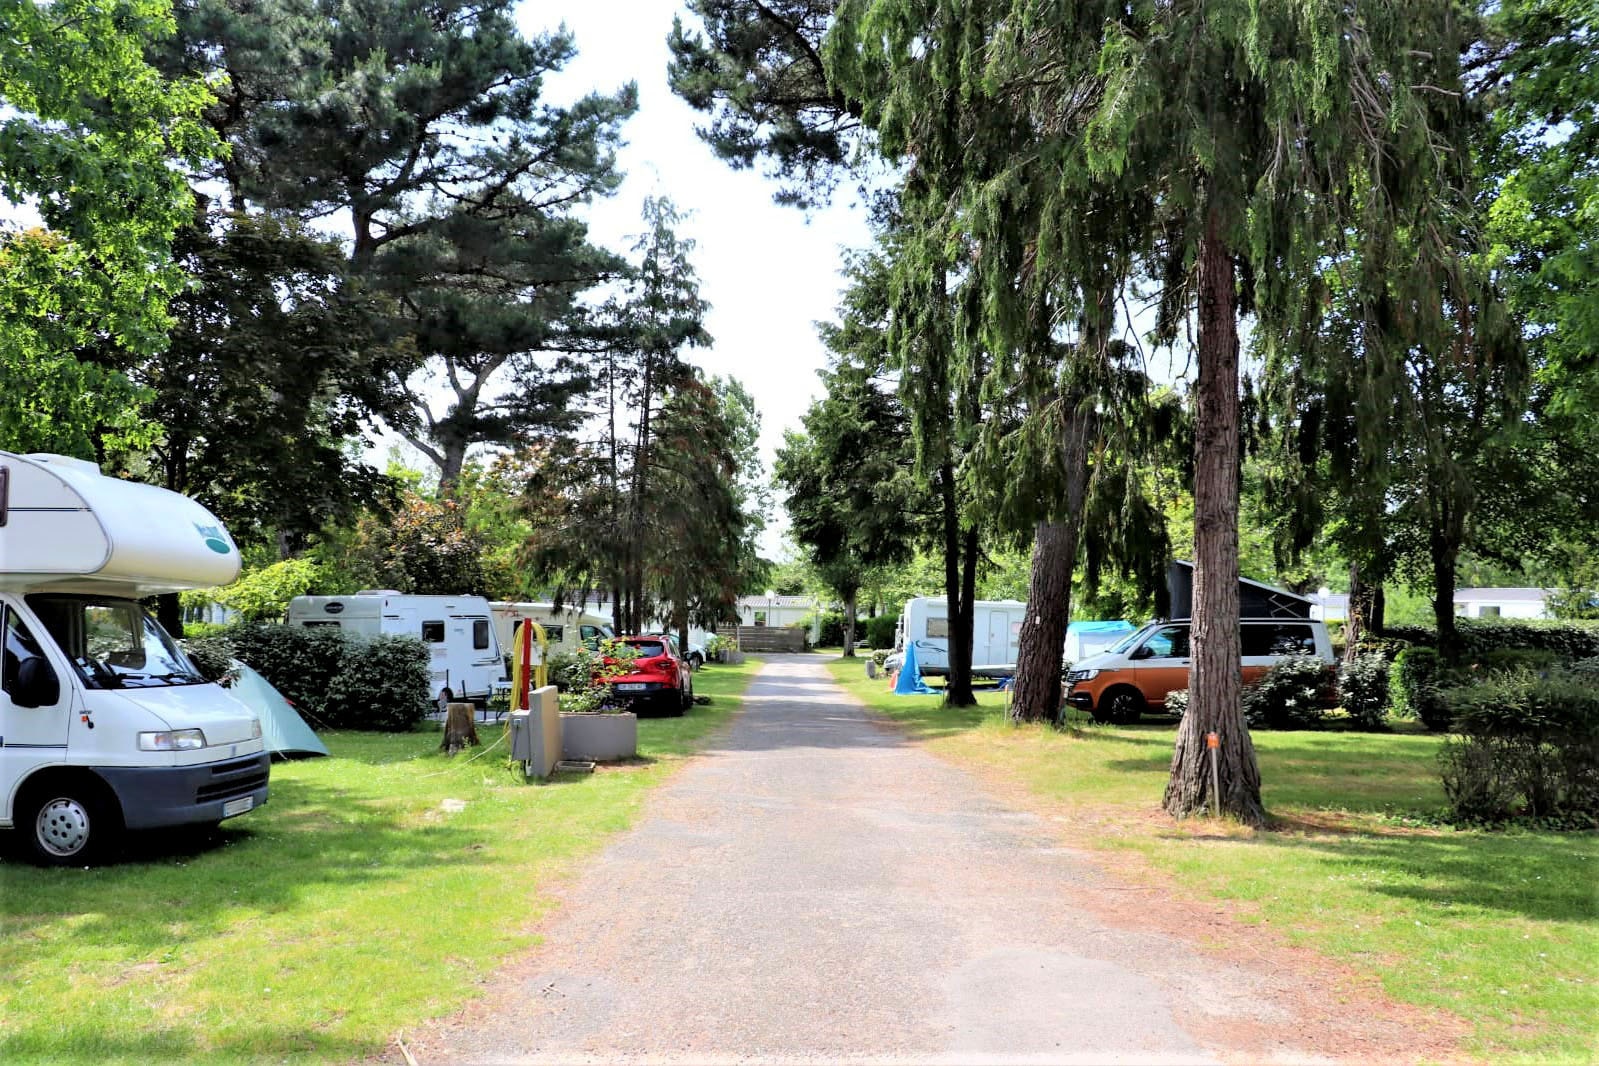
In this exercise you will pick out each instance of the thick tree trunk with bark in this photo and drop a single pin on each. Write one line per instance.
(1355, 614)
(1037, 693)
(1049, 592)
(849, 623)
(1214, 678)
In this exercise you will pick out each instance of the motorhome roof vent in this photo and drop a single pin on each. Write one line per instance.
(379, 592)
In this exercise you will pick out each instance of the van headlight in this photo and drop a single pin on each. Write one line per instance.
(172, 740)
(1081, 675)
(255, 729)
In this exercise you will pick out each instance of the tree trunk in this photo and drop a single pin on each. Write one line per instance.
(1445, 558)
(1354, 614)
(169, 612)
(1214, 678)
(460, 730)
(849, 624)
(1037, 693)
(1049, 591)
(962, 615)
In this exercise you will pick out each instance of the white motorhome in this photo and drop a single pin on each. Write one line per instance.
(458, 630)
(105, 725)
(567, 629)
(996, 633)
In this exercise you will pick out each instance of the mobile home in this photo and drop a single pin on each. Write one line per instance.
(105, 725)
(458, 631)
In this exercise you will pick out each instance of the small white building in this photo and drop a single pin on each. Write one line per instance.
(770, 609)
(1502, 603)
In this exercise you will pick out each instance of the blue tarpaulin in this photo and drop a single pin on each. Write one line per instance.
(910, 681)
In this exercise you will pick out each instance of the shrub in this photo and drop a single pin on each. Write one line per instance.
(1526, 745)
(298, 661)
(1291, 695)
(1586, 670)
(1568, 640)
(880, 630)
(1416, 684)
(212, 656)
(1177, 702)
(334, 680)
(1363, 689)
(382, 684)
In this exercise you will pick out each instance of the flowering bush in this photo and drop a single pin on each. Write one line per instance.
(1292, 694)
(587, 678)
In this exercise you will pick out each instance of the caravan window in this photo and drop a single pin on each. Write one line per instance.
(937, 626)
(480, 634)
(553, 634)
(433, 632)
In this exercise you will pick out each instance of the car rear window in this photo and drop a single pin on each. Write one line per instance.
(647, 649)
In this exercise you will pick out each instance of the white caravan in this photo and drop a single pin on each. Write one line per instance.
(996, 633)
(105, 725)
(567, 629)
(458, 630)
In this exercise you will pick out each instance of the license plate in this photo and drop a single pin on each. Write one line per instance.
(632, 686)
(238, 806)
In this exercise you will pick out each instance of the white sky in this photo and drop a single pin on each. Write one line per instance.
(769, 272)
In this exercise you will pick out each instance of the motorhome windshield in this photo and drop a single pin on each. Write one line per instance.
(112, 643)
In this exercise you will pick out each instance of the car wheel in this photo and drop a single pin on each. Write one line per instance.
(1123, 706)
(68, 824)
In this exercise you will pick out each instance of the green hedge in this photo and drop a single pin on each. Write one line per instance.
(1569, 640)
(1292, 694)
(335, 680)
(1526, 746)
(880, 630)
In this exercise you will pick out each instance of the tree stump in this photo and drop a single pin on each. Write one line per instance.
(460, 728)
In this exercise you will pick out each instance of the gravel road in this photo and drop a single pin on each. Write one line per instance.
(815, 889)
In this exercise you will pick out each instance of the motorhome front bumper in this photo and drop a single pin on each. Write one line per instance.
(154, 796)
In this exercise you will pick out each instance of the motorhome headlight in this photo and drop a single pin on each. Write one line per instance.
(172, 740)
(255, 729)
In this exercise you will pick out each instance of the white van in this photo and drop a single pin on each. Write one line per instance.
(458, 631)
(105, 725)
(567, 629)
(996, 633)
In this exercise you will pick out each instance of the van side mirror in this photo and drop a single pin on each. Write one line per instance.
(36, 684)
(1144, 652)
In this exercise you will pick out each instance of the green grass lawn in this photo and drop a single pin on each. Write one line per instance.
(355, 904)
(1500, 928)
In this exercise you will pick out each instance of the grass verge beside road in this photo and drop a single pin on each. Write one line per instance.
(1500, 928)
(378, 888)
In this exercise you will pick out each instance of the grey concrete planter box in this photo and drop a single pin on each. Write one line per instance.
(600, 737)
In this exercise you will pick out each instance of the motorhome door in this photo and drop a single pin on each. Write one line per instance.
(30, 735)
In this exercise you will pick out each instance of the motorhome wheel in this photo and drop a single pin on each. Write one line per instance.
(68, 826)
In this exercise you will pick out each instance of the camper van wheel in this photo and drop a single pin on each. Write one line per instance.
(68, 822)
(1121, 706)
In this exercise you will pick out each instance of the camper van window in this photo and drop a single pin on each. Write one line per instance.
(1169, 643)
(937, 627)
(433, 632)
(1121, 646)
(112, 643)
(1281, 638)
(20, 647)
(480, 634)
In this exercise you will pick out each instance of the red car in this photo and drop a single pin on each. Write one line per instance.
(659, 680)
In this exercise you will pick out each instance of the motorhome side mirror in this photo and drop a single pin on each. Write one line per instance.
(36, 684)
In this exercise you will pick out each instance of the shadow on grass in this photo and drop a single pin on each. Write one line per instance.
(308, 835)
(1541, 876)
